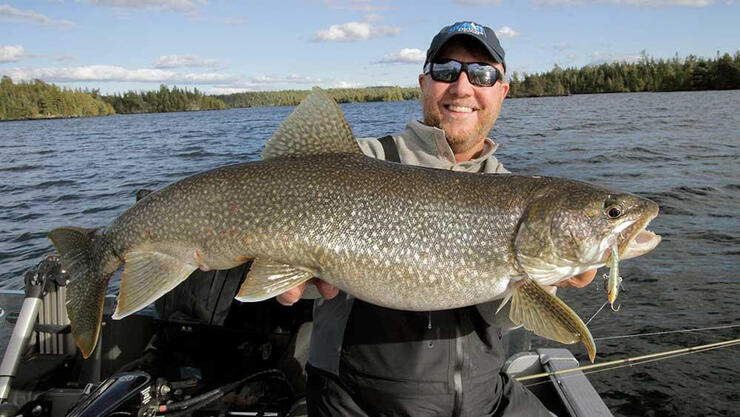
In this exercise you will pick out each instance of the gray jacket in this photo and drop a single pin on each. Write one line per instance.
(419, 145)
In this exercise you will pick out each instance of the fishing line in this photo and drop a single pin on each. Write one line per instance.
(638, 360)
(597, 312)
(729, 326)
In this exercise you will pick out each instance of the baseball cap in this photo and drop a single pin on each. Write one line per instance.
(483, 34)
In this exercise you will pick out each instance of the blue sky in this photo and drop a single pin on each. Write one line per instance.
(225, 46)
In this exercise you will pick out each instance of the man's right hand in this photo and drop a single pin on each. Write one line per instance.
(289, 297)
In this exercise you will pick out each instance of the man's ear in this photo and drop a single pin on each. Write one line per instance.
(505, 86)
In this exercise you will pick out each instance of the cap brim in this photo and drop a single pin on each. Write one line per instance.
(496, 57)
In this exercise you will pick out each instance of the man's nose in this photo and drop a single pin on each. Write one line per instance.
(462, 86)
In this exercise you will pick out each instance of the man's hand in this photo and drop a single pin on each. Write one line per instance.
(329, 291)
(578, 281)
(288, 298)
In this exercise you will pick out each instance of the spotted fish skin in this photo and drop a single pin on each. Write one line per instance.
(384, 232)
(399, 236)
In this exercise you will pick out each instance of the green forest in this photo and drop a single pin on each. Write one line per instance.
(340, 95)
(163, 100)
(37, 99)
(690, 74)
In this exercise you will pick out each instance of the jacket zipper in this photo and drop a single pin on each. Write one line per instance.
(457, 375)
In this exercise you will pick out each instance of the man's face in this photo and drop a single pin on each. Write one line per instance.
(464, 111)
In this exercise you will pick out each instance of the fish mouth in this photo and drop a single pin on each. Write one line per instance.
(636, 240)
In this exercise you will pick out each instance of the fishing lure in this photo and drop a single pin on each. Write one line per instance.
(613, 280)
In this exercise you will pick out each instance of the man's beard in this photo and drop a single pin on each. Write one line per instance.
(459, 141)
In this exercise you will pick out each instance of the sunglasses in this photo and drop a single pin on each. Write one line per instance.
(448, 71)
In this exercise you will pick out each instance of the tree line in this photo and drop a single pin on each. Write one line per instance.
(163, 100)
(340, 95)
(647, 74)
(37, 99)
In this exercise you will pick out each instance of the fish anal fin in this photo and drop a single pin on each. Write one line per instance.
(548, 316)
(148, 275)
(267, 279)
(316, 126)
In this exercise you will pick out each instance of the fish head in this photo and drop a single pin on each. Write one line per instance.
(571, 227)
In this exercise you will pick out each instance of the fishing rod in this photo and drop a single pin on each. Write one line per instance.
(699, 329)
(637, 360)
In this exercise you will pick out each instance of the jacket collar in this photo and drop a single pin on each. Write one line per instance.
(434, 142)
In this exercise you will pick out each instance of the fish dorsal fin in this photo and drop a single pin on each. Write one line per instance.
(148, 275)
(267, 279)
(316, 126)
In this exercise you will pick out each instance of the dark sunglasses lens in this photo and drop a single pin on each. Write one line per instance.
(483, 75)
(446, 71)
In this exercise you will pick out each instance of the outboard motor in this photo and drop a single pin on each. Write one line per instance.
(125, 394)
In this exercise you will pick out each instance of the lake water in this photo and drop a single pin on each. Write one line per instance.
(680, 149)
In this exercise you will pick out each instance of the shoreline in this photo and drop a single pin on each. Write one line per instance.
(375, 101)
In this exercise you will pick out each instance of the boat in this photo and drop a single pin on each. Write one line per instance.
(198, 352)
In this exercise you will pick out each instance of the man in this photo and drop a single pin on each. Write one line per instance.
(367, 360)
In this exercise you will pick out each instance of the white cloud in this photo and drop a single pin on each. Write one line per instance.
(105, 73)
(344, 84)
(184, 6)
(373, 17)
(11, 14)
(405, 56)
(598, 58)
(561, 46)
(11, 53)
(235, 21)
(506, 32)
(640, 3)
(480, 2)
(226, 90)
(291, 78)
(65, 57)
(354, 31)
(272, 83)
(175, 61)
(366, 6)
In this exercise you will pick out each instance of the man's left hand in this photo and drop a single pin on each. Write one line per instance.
(578, 281)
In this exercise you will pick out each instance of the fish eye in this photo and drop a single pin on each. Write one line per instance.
(612, 211)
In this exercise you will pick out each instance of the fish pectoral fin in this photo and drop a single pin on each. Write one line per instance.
(267, 279)
(548, 316)
(148, 275)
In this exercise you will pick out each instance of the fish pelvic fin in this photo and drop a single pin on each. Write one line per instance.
(148, 275)
(548, 316)
(90, 269)
(316, 126)
(267, 279)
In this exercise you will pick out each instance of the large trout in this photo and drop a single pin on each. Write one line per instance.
(398, 236)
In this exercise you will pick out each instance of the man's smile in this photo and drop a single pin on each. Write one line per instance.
(459, 109)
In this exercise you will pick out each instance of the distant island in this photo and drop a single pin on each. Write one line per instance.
(37, 99)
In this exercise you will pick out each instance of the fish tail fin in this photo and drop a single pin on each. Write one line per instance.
(90, 270)
(548, 316)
